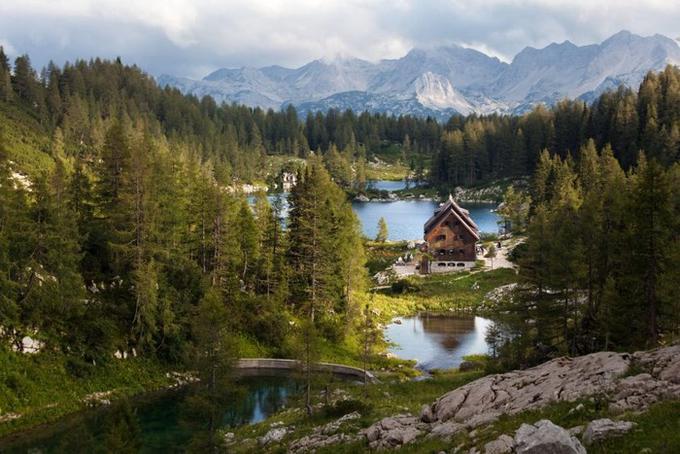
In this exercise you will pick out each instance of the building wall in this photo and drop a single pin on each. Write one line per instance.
(448, 267)
(450, 241)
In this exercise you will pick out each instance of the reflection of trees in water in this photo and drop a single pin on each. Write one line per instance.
(448, 330)
(160, 422)
(260, 398)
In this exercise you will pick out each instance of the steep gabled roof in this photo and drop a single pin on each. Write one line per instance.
(463, 215)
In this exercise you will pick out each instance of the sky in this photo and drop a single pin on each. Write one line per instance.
(194, 37)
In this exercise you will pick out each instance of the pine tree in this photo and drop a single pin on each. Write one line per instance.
(652, 217)
(381, 236)
(211, 355)
(6, 92)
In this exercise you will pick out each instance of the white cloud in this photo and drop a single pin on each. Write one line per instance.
(187, 36)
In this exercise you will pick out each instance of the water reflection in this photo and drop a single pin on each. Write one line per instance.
(163, 422)
(437, 341)
(405, 218)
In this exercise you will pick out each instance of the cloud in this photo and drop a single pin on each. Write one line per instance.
(191, 37)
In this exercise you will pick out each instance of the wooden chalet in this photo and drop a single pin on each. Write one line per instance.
(450, 240)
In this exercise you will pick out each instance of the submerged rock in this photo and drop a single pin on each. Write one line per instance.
(546, 437)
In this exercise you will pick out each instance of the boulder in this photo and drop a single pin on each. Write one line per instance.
(273, 436)
(562, 379)
(501, 445)
(311, 443)
(426, 414)
(546, 437)
(639, 391)
(446, 430)
(334, 426)
(601, 429)
(392, 432)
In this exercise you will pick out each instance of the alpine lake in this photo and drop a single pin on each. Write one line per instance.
(434, 341)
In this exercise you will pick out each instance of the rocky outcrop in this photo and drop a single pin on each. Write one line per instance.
(274, 435)
(601, 429)
(544, 437)
(393, 431)
(311, 443)
(561, 379)
(659, 380)
(483, 401)
(502, 445)
(326, 435)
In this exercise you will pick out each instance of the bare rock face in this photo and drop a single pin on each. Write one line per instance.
(662, 363)
(660, 381)
(311, 443)
(393, 431)
(501, 445)
(601, 429)
(273, 436)
(562, 379)
(446, 430)
(546, 437)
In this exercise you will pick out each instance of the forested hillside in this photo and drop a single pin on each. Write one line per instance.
(117, 232)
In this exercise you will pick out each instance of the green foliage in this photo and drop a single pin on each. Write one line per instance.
(381, 236)
(594, 269)
(44, 387)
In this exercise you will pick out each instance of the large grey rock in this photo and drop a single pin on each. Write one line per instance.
(446, 430)
(546, 437)
(501, 445)
(311, 443)
(601, 429)
(333, 426)
(562, 379)
(273, 436)
(393, 431)
(640, 391)
(426, 414)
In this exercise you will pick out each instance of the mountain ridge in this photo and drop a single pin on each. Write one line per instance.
(443, 80)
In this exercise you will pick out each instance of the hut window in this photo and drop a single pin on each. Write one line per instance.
(460, 251)
(441, 237)
(442, 252)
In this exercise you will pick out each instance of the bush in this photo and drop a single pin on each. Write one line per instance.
(518, 252)
(404, 286)
(78, 367)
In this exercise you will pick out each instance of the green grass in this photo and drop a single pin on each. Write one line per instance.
(463, 291)
(42, 389)
(393, 172)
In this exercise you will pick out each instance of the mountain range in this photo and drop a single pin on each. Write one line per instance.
(444, 80)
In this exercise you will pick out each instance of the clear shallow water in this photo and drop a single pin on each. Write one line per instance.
(437, 341)
(161, 419)
(405, 218)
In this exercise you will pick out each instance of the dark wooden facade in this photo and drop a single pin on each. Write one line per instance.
(451, 237)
